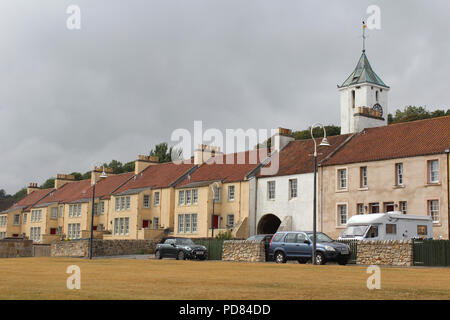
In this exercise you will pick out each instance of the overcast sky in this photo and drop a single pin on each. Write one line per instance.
(137, 70)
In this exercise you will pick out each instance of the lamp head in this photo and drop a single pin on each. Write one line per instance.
(324, 142)
(103, 175)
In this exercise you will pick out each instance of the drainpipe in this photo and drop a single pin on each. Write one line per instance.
(447, 151)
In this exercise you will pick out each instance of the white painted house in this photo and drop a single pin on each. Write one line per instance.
(284, 200)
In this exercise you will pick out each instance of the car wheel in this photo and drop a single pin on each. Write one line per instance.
(181, 256)
(280, 257)
(158, 255)
(302, 261)
(320, 258)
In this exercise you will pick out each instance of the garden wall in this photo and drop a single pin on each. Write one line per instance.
(80, 248)
(243, 250)
(13, 248)
(385, 252)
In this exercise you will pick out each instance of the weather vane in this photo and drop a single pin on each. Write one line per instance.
(364, 35)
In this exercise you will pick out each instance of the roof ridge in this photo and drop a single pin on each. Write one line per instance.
(412, 121)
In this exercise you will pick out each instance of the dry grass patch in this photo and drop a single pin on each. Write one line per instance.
(45, 278)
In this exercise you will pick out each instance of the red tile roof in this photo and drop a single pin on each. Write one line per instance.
(234, 167)
(416, 138)
(296, 157)
(30, 199)
(68, 192)
(157, 176)
(104, 187)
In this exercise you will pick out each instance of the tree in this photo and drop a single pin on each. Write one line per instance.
(19, 194)
(163, 152)
(128, 167)
(412, 113)
(78, 176)
(49, 183)
(3, 194)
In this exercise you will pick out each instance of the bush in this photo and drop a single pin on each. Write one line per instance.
(225, 235)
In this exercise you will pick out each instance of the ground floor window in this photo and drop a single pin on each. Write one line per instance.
(342, 214)
(360, 208)
(187, 223)
(403, 206)
(122, 226)
(2, 235)
(433, 210)
(230, 220)
(374, 207)
(156, 222)
(35, 234)
(74, 231)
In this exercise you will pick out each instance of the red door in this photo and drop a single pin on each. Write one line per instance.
(52, 230)
(145, 224)
(216, 222)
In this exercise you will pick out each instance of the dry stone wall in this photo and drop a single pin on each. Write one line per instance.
(243, 250)
(386, 252)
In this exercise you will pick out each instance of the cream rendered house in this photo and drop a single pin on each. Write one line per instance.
(230, 184)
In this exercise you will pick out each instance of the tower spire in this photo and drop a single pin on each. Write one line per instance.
(364, 36)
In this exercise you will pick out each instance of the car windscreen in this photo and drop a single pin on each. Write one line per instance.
(320, 237)
(185, 242)
(354, 231)
(258, 237)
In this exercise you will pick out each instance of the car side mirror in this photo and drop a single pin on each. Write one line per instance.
(307, 242)
(173, 244)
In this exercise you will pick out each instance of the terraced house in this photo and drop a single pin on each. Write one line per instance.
(13, 220)
(143, 208)
(402, 167)
(230, 181)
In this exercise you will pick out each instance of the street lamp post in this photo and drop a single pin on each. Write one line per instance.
(326, 144)
(103, 175)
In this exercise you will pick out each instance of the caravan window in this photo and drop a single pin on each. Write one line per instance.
(373, 232)
(422, 230)
(391, 228)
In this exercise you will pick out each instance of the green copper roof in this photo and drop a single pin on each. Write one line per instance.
(363, 73)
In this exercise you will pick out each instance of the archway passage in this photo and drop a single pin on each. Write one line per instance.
(268, 223)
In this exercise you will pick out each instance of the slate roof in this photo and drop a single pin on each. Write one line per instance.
(363, 73)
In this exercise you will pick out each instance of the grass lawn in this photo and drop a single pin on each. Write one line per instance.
(45, 278)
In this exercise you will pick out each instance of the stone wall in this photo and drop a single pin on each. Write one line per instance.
(386, 252)
(80, 248)
(243, 250)
(13, 248)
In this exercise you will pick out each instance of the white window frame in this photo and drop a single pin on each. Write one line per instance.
(188, 197)
(156, 222)
(433, 175)
(360, 208)
(156, 198)
(181, 197)
(54, 213)
(230, 220)
(293, 188)
(363, 172)
(433, 210)
(271, 194)
(399, 174)
(231, 193)
(16, 222)
(403, 206)
(194, 222)
(339, 213)
(146, 201)
(342, 179)
(181, 223)
(194, 196)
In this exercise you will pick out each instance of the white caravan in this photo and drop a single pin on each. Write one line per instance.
(388, 226)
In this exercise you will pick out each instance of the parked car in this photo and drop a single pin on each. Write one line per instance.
(297, 245)
(387, 226)
(263, 237)
(180, 249)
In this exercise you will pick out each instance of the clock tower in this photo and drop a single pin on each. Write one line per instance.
(364, 97)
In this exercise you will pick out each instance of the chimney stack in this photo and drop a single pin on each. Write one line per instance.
(143, 162)
(281, 139)
(97, 172)
(32, 187)
(204, 152)
(62, 179)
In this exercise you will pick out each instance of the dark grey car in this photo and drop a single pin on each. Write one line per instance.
(180, 249)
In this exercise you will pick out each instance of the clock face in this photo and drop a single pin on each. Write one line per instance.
(378, 107)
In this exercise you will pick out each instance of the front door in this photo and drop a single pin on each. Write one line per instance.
(216, 222)
(145, 224)
(52, 230)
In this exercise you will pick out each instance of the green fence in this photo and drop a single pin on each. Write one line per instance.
(353, 244)
(214, 247)
(431, 252)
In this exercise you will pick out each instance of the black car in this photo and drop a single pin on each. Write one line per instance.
(180, 249)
